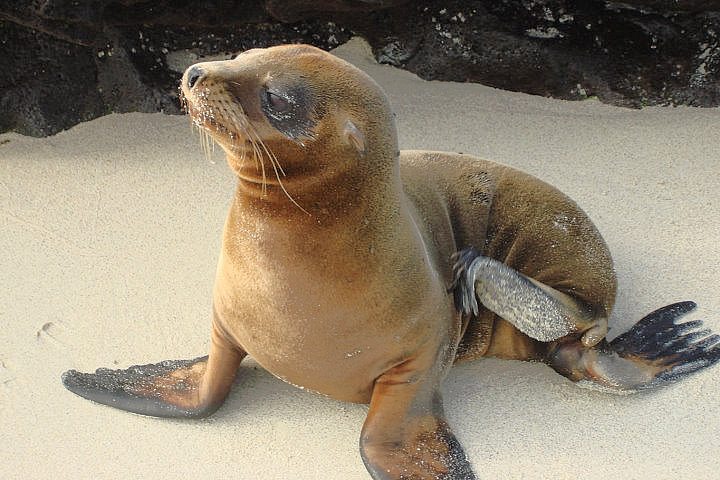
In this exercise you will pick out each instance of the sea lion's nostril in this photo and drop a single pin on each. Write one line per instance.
(193, 75)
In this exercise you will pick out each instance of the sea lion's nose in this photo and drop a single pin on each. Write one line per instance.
(193, 75)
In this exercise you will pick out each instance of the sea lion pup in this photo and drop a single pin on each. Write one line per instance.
(365, 273)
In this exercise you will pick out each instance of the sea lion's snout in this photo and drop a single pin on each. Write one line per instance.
(192, 75)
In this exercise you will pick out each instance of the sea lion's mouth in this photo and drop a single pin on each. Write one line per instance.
(204, 116)
(229, 129)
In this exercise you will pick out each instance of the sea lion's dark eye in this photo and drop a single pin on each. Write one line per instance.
(288, 108)
(276, 102)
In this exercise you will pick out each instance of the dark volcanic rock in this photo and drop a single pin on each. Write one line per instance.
(662, 6)
(45, 84)
(67, 61)
(296, 10)
(563, 49)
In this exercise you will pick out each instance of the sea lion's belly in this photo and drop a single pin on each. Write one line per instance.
(331, 337)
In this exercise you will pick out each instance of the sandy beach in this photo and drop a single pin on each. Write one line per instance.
(110, 236)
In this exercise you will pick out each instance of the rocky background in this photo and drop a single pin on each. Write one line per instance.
(67, 61)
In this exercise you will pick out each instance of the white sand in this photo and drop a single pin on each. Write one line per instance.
(110, 234)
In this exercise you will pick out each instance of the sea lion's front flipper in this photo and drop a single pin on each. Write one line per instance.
(537, 310)
(656, 351)
(406, 435)
(173, 388)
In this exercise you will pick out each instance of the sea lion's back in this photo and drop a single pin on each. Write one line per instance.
(451, 191)
(511, 216)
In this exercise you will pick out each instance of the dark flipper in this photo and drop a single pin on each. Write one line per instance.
(656, 351)
(674, 349)
(430, 454)
(165, 389)
(173, 388)
(406, 435)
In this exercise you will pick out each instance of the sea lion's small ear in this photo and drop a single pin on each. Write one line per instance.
(354, 136)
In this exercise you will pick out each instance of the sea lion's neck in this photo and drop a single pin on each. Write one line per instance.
(329, 239)
(345, 218)
(320, 196)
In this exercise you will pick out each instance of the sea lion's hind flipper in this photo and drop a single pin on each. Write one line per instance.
(672, 349)
(165, 389)
(656, 351)
(537, 310)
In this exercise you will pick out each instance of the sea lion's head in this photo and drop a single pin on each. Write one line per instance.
(293, 113)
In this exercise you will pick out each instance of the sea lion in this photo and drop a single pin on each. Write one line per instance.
(365, 273)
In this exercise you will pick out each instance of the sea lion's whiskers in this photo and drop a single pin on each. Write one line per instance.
(269, 153)
(197, 117)
(276, 165)
(204, 113)
(237, 118)
(211, 144)
(258, 155)
(274, 158)
(235, 145)
(254, 139)
(243, 152)
(240, 132)
(205, 144)
(262, 166)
